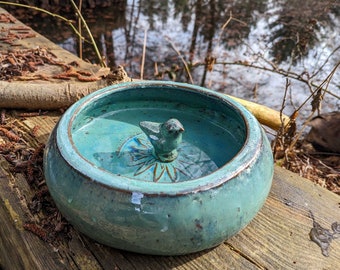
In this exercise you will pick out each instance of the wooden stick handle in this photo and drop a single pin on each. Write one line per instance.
(266, 116)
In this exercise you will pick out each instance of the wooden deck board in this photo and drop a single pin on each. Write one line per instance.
(38, 93)
(277, 238)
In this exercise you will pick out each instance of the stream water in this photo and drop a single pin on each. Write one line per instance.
(251, 49)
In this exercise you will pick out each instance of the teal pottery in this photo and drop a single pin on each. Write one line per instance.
(158, 167)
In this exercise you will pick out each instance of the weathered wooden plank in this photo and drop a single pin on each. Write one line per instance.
(278, 237)
(17, 242)
(14, 241)
(45, 93)
(10, 240)
(218, 258)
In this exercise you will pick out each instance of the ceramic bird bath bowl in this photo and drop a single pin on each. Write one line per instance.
(158, 167)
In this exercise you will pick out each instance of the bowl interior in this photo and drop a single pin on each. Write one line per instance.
(105, 131)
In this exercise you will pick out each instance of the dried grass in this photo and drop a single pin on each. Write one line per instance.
(323, 170)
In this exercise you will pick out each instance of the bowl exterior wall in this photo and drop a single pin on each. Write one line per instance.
(157, 223)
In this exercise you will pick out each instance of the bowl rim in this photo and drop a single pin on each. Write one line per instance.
(247, 155)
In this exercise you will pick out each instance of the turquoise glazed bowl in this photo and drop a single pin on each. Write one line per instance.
(105, 178)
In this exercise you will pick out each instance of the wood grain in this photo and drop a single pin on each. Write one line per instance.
(42, 94)
(277, 238)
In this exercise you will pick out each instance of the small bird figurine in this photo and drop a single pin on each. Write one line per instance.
(165, 137)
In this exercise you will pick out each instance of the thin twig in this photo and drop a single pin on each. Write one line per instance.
(231, 18)
(320, 88)
(102, 63)
(143, 55)
(325, 62)
(279, 138)
(284, 102)
(79, 28)
(182, 59)
(69, 22)
(282, 72)
(223, 27)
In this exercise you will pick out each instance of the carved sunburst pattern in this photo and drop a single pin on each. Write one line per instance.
(191, 162)
(135, 159)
